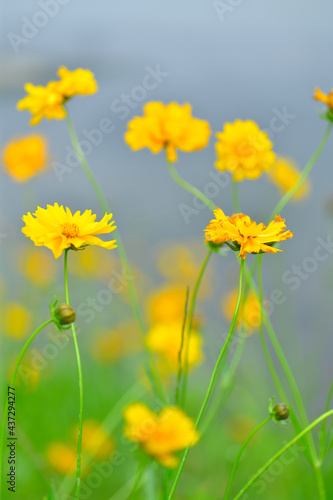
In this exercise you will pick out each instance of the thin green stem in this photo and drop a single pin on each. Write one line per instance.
(322, 448)
(189, 326)
(306, 171)
(79, 368)
(235, 197)
(180, 354)
(138, 477)
(279, 453)
(150, 367)
(12, 384)
(191, 189)
(239, 454)
(211, 382)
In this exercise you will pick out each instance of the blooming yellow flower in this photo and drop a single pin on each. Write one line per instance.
(326, 98)
(169, 126)
(58, 229)
(77, 82)
(165, 340)
(17, 320)
(43, 102)
(249, 310)
(160, 435)
(248, 236)
(25, 157)
(244, 150)
(285, 174)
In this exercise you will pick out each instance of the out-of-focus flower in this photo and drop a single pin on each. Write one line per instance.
(58, 229)
(169, 126)
(160, 435)
(248, 236)
(96, 442)
(17, 320)
(239, 427)
(77, 82)
(38, 266)
(25, 157)
(244, 150)
(326, 98)
(165, 340)
(62, 457)
(249, 310)
(167, 304)
(285, 174)
(43, 102)
(94, 263)
(112, 344)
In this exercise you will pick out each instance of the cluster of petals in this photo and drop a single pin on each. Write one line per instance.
(246, 235)
(24, 157)
(244, 150)
(57, 229)
(160, 435)
(169, 126)
(48, 102)
(326, 98)
(285, 175)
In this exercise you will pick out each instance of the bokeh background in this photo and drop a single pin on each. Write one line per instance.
(248, 60)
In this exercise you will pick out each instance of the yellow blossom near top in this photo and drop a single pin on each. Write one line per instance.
(25, 157)
(165, 339)
(43, 102)
(285, 174)
(248, 236)
(249, 310)
(160, 435)
(17, 320)
(58, 229)
(169, 126)
(244, 150)
(77, 82)
(326, 98)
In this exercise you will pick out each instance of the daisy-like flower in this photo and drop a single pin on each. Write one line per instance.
(246, 235)
(25, 157)
(326, 98)
(244, 150)
(57, 229)
(160, 435)
(169, 126)
(285, 174)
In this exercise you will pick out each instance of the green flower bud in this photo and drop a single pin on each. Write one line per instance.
(280, 411)
(64, 314)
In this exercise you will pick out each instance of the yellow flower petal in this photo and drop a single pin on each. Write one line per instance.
(25, 157)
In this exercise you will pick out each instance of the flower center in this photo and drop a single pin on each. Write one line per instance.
(69, 230)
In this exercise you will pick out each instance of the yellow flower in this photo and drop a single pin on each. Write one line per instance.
(165, 340)
(38, 266)
(96, 442)
(326, 98)
(285, 175)
(244, 150)
(109, 345)
(169, 126)
(160, 435)
(249, 310)
(25, 157)
(62, 457)
(43, 102)
(58, 229)
(77, 82)
(248, 236)
(94, 263)
(17, 320)
(167, 304)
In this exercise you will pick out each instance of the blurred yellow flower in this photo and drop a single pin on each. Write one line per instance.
(17, 320)
(326, 98)
(247, 235)
(25, 157)
(169, 126)
(165, 340)
(96, 442)
(167, 304)
(77, 82)
(244, 150)
(112, 344)
(160, 435)
(43, 102)
(95, 263)
(58, 229)
(249, 310)
(62, 457)
(37, 265)
(285, 174)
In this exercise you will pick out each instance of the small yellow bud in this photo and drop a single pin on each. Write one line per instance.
(65, 314)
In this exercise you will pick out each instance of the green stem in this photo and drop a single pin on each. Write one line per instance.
(180, 354)
(235, 197)
(239, 454)
(150, 367)
(12, 384)
(211, 382)
(193, 190)
(138, 477)
(190, 322)
(79, 368)
(279, 453)
(306, 171)
(322, 447)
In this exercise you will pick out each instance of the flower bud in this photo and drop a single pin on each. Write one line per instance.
(64, 314)
(280, 411)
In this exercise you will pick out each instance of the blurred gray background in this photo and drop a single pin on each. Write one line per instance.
(234, 59)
